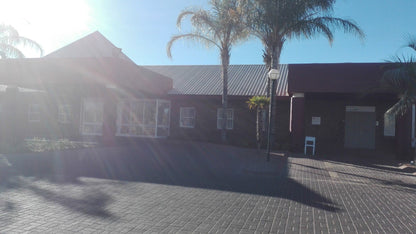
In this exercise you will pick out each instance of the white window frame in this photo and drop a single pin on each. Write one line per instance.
(229, 118)
(183, 112)
(133, 124)
(98, 124)
(64, 113)
(34, 113)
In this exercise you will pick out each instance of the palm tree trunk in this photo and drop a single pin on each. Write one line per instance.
(225, 60)
(273, 105)
(258, 128)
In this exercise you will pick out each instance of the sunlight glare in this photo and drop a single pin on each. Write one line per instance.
(52, 23)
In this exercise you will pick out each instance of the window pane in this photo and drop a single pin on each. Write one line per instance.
(34, 113)
(137, 112)
(124, 130)
(188, 122)
(163, 114)
(149, 130)
(150, 113)
(64, 113)
(187, 115)
(229, 124)
(93, 117)
(229, 114)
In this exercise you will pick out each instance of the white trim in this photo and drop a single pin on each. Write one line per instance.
(181, 117)
(135, 124)
(298, 95)
(360, 109)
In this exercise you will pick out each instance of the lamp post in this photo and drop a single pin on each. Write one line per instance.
(273, 75)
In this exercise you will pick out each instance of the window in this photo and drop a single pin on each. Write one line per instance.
(389, 124)
(187, 117)
(92, 117)
(34, 113)
(64, 113)
(144, 118)
(229, 118)
(163, 118)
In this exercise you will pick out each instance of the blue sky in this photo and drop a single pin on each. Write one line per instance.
(142, 28)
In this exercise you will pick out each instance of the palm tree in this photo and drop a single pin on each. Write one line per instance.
(259, 103)
(221, 27)
(10, 41)
(276, 21)
(400, 75)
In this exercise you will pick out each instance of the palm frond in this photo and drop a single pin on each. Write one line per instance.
(10, 41)
(411, 42)
(8, 31)
(181, 17)
(400, 74)
(402, 106)
(9, 51)
(309, 28)
(26, 42)
(191, 36)
(258, 102)
(322, 25)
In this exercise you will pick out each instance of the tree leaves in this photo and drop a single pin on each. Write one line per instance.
(10, 40)
(400, 74)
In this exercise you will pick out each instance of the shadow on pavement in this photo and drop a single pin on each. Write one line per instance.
(91, 203)
(371, 160)
(406, 187)
(188, 164)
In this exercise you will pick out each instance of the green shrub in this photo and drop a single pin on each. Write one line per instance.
(43, 145)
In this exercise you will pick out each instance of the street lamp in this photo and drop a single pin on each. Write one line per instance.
(273, 75)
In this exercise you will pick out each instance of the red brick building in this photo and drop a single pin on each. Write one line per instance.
(91, 89)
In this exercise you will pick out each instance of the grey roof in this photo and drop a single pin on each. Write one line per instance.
(93, 45)
(244, 80)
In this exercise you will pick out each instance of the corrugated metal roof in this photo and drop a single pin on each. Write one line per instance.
(37, 72)
(244, 80)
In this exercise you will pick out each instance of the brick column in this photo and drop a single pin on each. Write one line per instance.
(297, 121)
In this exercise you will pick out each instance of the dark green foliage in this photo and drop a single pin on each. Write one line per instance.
(400, 75)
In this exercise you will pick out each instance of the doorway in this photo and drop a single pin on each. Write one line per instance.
(360, 127)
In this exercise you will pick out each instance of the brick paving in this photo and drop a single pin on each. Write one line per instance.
(203, 188)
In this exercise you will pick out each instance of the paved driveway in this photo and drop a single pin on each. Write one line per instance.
(177, 187)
